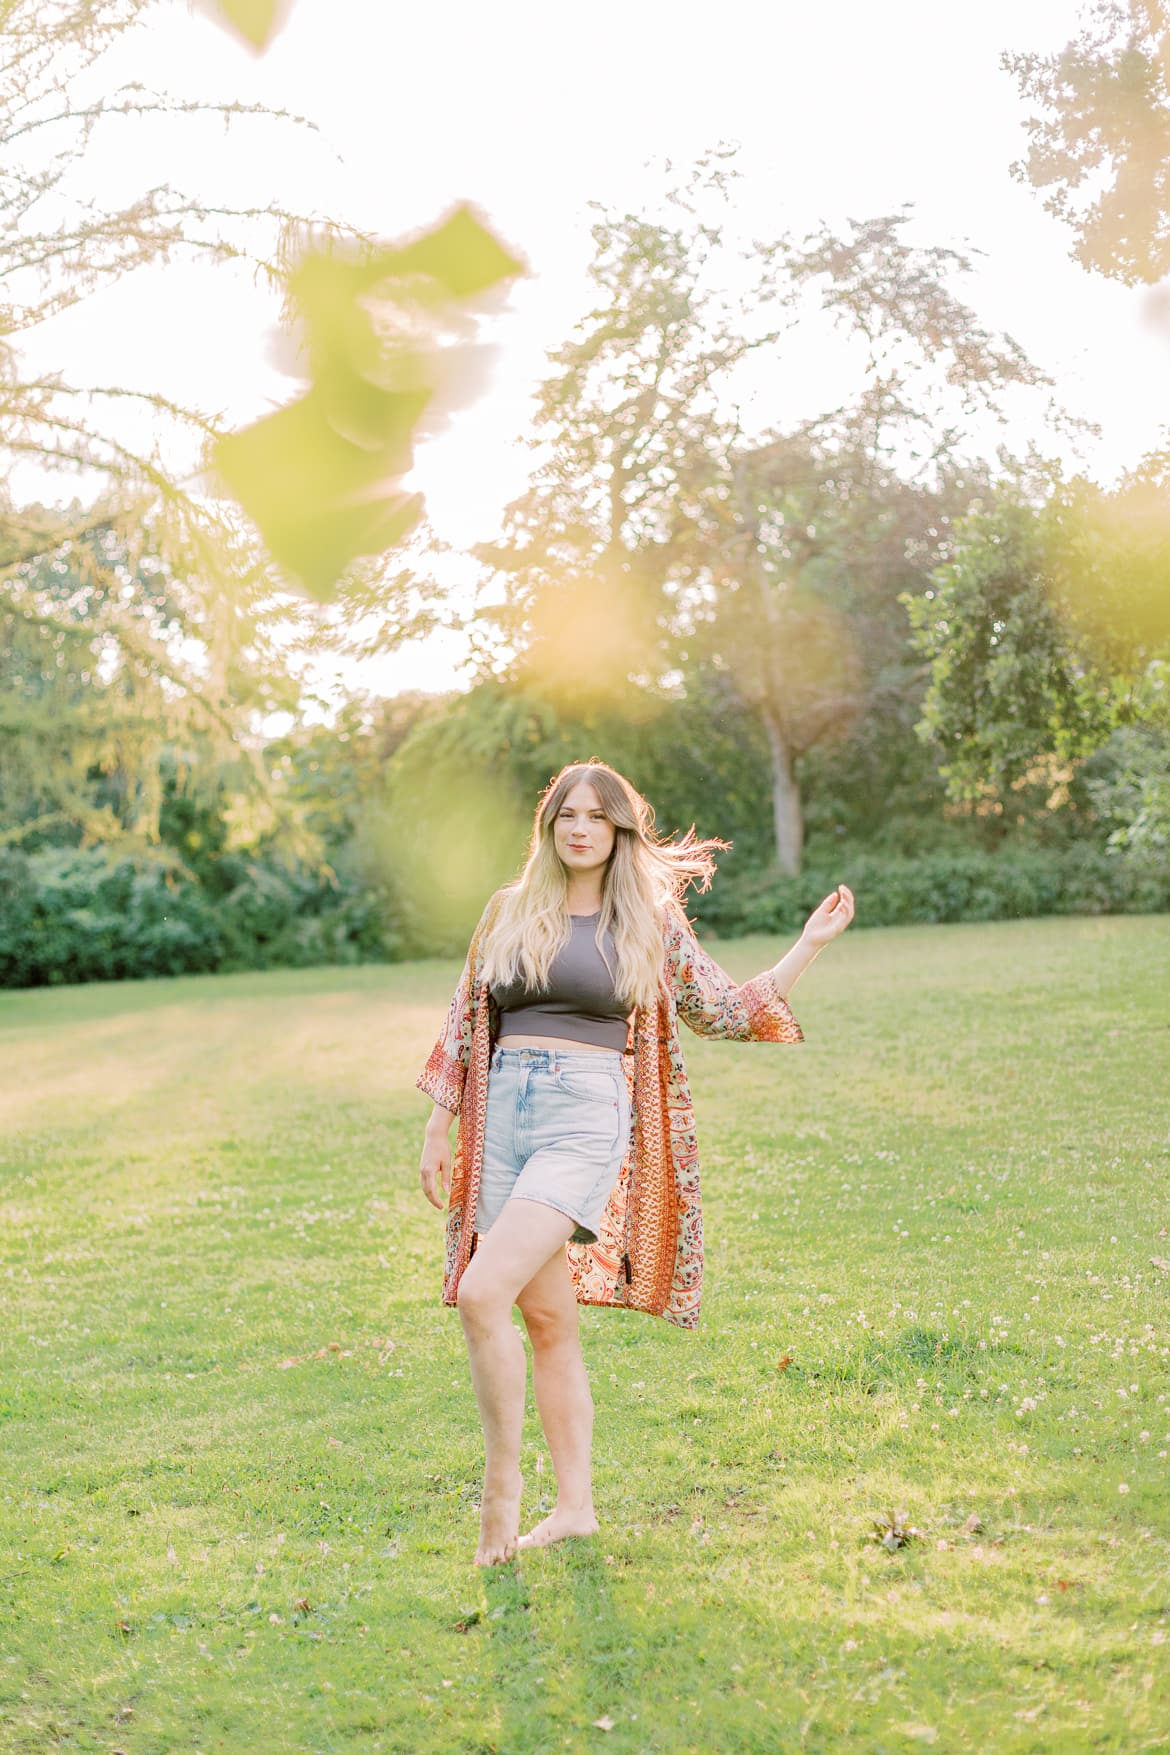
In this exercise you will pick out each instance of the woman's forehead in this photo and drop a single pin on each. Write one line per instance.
(582, 796)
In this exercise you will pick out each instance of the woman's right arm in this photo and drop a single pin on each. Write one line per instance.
(443, 1077)
(445, 1074)
(435, 1163)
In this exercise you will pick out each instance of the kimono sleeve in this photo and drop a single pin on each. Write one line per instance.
(712, 1004)
(442, 1078)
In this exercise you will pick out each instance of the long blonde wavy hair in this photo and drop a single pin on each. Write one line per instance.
(645, 877)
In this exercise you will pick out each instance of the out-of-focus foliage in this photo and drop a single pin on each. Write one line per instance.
(1113, 554)
(59, 243)
(1048, 637)
(144, 614)
(1007, 690)
(98, 678)
(659, 534)
(409, 780)
(1100, 141)
(1011, 883)
(257, 21)
(384, 332)
(146, 630)
(105, 914)
(1128, 779)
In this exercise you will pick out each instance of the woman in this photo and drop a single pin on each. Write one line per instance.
(575, 1176)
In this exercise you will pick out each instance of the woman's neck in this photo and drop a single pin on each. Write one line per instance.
(584, 899)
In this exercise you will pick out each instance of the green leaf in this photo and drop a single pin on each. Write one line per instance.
(255, 20)
(317, 498)
(461, 254)
(320, 478)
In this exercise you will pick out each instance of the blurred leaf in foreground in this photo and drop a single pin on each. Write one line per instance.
(257, 21)
(385, 336)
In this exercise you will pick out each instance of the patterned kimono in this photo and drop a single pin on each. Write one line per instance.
(649, 1250)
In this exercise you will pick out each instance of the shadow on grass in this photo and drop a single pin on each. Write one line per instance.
(518, 1658)
(553, 1672)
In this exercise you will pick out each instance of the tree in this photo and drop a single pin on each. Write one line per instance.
(1048, 632)
(142, 613)
(149, 623)
(656, 528)
(791, 588)
(1006, 691)
(1101, 139)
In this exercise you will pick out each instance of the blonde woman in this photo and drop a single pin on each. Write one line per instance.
(575, 1174)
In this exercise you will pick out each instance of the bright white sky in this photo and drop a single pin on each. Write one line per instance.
(532, 110)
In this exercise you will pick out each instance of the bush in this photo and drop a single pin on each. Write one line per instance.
(935, 887)
(69, 914)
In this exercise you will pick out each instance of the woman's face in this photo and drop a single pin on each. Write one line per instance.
(583, 834)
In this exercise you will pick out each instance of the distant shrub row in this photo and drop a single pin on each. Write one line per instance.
(70, 915)
(939, 886)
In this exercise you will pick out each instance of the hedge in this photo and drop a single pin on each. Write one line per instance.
(934, 887)
(91, 915)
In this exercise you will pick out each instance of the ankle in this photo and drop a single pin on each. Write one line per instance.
(504, 1481)
(576, 1507)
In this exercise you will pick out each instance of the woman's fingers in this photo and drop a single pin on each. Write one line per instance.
(838, 907)
(833, 915)
(435, 1175)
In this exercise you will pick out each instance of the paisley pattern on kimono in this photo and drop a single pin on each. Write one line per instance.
(649, 1249)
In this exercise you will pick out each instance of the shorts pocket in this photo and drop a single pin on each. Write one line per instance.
(588, 1087)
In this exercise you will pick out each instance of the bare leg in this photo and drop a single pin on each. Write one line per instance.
(518, 1245)
(563, 1400)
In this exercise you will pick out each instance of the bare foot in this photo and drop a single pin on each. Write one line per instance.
(559, 1524)
(499, 1525)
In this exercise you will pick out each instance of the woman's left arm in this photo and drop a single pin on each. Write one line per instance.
(832, 917)
(713, 1004)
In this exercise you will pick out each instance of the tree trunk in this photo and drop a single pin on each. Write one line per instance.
(786, 807)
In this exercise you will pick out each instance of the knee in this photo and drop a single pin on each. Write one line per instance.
(550, 1326)
(479, 1302)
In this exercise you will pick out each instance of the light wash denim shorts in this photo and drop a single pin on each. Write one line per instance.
(557, 1127)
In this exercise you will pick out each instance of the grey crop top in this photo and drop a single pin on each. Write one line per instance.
(579, 1003)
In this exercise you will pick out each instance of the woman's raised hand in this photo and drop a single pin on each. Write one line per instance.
(832, 917)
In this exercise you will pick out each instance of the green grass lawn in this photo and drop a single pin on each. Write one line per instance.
(241, 1454)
